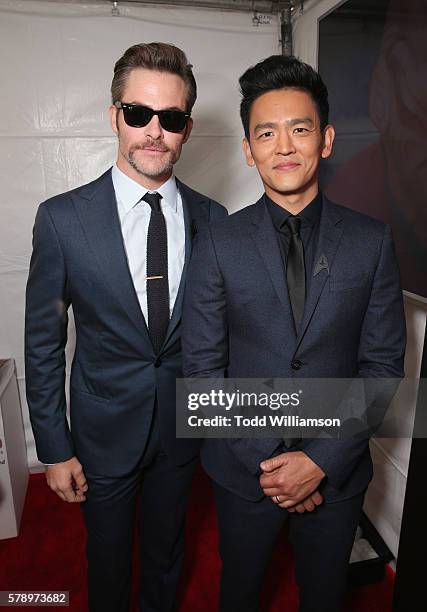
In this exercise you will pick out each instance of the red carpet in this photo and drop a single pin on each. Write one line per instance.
(49, 554)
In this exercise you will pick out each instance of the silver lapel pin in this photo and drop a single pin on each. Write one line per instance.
(322, 264)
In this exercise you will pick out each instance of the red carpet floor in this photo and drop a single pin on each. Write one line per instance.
(49, 554)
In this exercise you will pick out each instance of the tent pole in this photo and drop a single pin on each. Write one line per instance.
(286, 28)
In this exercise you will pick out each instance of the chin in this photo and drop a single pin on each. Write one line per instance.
(287, 189)
(149, 171)
(158, 172)
(156, 169)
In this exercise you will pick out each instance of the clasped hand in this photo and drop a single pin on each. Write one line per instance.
(291, 480)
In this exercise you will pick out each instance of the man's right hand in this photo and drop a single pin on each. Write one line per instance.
(309, 504)
(67, 480)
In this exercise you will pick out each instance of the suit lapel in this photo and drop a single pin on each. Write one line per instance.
(263, 233)
(195, 209)
(330, 232)
(97, 210)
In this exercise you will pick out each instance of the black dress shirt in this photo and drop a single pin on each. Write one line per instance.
(310, 221)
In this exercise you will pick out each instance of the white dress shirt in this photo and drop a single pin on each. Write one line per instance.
(134, 216)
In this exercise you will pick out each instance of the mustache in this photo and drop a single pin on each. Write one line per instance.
(149, 145)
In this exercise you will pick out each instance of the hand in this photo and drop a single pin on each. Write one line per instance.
(67, 480)
(308, 504)
(292, 476)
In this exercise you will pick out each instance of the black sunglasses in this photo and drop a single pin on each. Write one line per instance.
(136, 115)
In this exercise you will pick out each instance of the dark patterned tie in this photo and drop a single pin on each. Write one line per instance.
(295, 270)
(157, 273)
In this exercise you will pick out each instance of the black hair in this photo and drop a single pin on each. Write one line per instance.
(281, 72)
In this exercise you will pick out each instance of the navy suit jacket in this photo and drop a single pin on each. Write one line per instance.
(79, 259)
(237, 322)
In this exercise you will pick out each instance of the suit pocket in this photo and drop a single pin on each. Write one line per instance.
(351, 282)
(91, 396)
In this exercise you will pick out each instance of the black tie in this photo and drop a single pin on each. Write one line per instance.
(295, 270)
(157, 273)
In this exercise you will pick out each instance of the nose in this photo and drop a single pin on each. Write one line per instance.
(154, 129)
(285, 143)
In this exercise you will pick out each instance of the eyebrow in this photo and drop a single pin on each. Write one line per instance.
(290, 122)
(300, 120)
(174, 108)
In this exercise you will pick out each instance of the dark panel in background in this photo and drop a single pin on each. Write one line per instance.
(373, 58)
(410, 586)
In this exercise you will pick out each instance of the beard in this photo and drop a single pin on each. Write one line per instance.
(152, 168)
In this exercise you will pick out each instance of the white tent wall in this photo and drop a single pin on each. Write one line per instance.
(56, 68)
(385, 497)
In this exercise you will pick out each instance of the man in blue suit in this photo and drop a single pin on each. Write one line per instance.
(117, 251)
(293, 286)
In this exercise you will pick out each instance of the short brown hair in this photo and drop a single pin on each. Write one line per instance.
(154, 56)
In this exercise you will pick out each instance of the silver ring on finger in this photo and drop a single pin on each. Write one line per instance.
(276, 497)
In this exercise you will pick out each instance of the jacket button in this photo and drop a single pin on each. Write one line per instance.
(296, 364)
(158, 362)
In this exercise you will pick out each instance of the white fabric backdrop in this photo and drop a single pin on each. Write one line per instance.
(385, 497)
(56, 63)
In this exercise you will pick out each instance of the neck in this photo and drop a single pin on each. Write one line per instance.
(293, 202)
(148, 182)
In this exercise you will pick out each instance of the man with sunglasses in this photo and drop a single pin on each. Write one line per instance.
(117, 250)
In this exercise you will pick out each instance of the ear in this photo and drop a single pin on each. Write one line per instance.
(328, 141)
(247, 152)
(113, 111)
(188, 129)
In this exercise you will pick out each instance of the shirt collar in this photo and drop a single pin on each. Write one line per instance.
(130, 192)
(309, 215)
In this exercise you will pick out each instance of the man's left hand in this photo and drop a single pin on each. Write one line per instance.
(291, 476)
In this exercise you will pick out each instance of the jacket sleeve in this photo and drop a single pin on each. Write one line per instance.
(204, 322)
(380, 356)
(46, 320)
